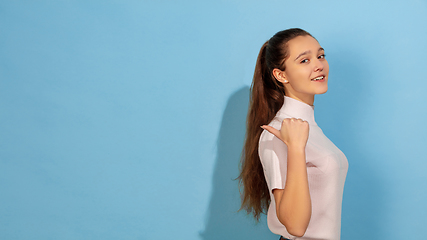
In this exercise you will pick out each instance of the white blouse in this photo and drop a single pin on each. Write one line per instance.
(326, 169)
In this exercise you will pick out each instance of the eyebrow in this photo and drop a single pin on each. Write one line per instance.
(307, 52)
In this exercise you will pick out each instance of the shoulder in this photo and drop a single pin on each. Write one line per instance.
(271, 145)
(266, 135)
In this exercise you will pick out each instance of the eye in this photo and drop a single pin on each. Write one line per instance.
(322, 56)
(304, 61)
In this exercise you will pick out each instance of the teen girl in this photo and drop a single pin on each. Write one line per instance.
(289, 166)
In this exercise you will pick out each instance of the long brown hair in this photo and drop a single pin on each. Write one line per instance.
(266, 98)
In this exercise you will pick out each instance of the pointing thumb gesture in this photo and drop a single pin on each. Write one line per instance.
(294, 132)
(273, 131)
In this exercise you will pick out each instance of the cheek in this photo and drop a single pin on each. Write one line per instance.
(326, 67)
(299, 74)
(300, 79)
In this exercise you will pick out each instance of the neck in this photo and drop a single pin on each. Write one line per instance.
(297, 109)
(308, 99)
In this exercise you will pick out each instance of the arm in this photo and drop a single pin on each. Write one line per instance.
(293, 203)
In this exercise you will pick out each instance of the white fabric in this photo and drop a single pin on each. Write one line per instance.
(326, 168)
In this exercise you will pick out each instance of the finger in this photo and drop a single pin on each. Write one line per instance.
(289, 120)
(272, 130)
(294, 120)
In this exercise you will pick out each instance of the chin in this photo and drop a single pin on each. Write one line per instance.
(322, 91)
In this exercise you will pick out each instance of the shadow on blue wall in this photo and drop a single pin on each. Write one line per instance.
(223, 221)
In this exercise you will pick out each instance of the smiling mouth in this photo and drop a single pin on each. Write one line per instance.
(320, 78)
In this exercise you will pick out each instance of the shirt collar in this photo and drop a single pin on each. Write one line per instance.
(297, 109)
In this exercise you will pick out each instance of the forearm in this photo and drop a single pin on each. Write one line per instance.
(295, 204)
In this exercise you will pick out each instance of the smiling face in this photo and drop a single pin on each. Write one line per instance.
(306, 70)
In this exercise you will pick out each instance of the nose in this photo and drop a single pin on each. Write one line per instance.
(319, 66)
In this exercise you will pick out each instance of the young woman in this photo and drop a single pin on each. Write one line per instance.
(289, 166)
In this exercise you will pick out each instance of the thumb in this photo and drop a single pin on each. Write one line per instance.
(272, 130)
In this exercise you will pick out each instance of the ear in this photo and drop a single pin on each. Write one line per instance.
(280, 75)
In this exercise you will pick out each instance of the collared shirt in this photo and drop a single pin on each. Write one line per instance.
(326, 171)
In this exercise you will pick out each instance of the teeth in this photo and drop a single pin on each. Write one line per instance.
(318, 78)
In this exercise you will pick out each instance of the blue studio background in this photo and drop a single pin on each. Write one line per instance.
(125, 119)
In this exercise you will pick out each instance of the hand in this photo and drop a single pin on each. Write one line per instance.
(294, 132)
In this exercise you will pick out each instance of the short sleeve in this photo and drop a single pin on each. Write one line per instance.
(273, 156)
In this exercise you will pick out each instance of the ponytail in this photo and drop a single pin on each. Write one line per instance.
(266, 98)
